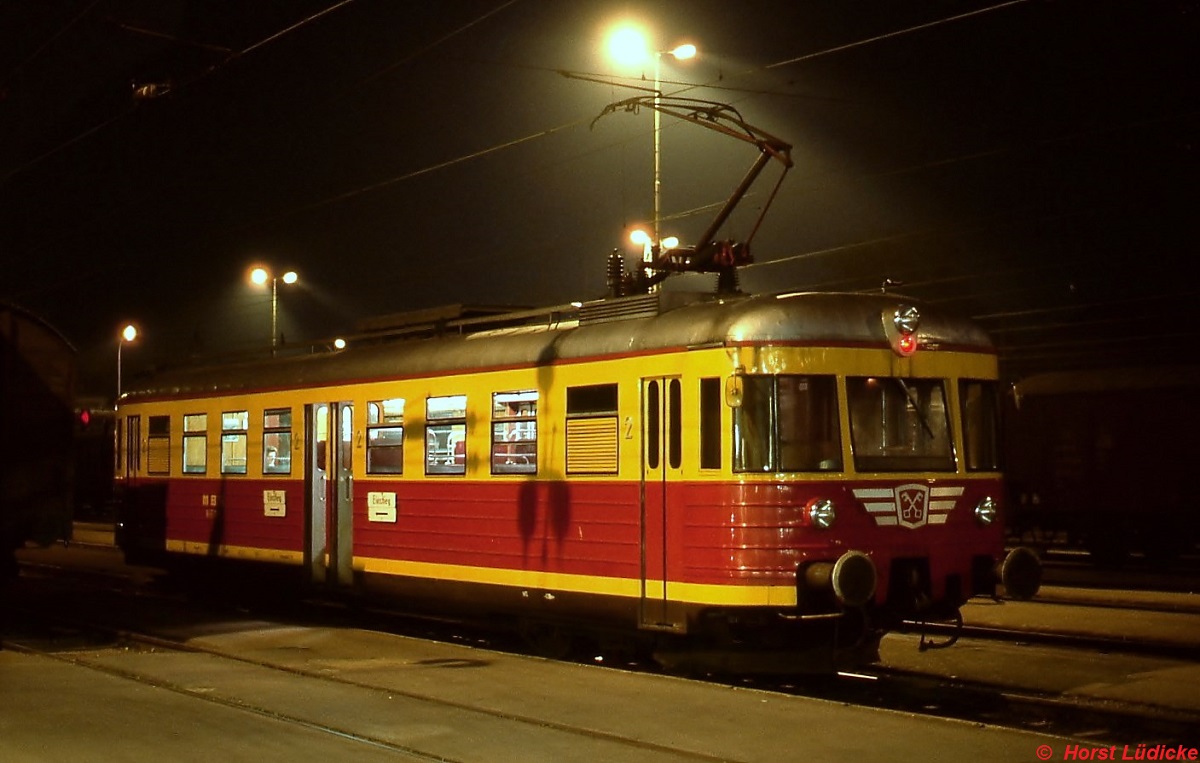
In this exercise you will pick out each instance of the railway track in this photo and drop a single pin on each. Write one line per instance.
(1072, 567)
(1093, 642)
(90, 646)
(932, 693)
(985, 703)
(117, 653)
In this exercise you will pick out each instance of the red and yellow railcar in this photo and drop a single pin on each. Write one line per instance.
(736, 475)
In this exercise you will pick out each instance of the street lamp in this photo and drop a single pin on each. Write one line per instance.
(259, 277)
(128, 334)
(628, 46)
(651, 247)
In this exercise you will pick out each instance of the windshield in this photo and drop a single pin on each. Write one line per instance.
(899, 424)
(787, 424)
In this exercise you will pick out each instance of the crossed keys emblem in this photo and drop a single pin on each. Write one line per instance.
(912, 501)
(909, 506)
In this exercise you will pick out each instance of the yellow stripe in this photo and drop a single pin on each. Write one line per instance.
(629, 588)
(236, 552)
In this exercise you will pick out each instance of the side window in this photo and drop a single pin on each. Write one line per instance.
(133, 441)
(277, 441)
(119, 441)
(710, 423)
(753, 443)
(514, 432)
(385, 436)
(592, 429)
(446, 435)
(675, 423)
(195, 443)
(233, 441)
(158, 445)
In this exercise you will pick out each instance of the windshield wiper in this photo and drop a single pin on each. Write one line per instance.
(908, 393)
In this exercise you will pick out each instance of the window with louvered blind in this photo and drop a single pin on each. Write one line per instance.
(592, 429)
(158, 445)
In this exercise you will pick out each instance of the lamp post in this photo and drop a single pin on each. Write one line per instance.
(628, 46)
(259, 277)
(128, 334)
(679, 53)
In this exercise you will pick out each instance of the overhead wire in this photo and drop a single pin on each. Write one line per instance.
(423, 171)
(895, 34)
(50, 41)
(408, 58)
(302, 22)
(435, 43)
(466, 157)
(81, 275)
(206, 72)
(345, 195)
(683, 87)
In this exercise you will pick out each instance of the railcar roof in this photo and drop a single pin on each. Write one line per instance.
(614, 328)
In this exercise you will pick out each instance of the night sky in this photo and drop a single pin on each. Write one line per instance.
(1028, 163)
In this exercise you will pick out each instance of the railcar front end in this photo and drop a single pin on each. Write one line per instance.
(860, 491)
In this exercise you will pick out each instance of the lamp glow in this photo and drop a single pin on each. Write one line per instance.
(128, 334)
(684, 52)
(627, 46)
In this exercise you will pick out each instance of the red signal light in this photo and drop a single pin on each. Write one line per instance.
(85, 417)
(900, 327)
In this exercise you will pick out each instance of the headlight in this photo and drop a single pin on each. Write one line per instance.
(822, 514)
(985, 510)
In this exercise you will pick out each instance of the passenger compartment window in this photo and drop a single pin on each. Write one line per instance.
(787, 424)
(195, 443)
(233, 441)
(446, 435)
(133, 451)
(514, 432)
(710, 423)
(592, 429)
(119, 451)
(158, 445)
(385, 436)
(981, 428)
(277, 441)
(675, 423)
(899, 424)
